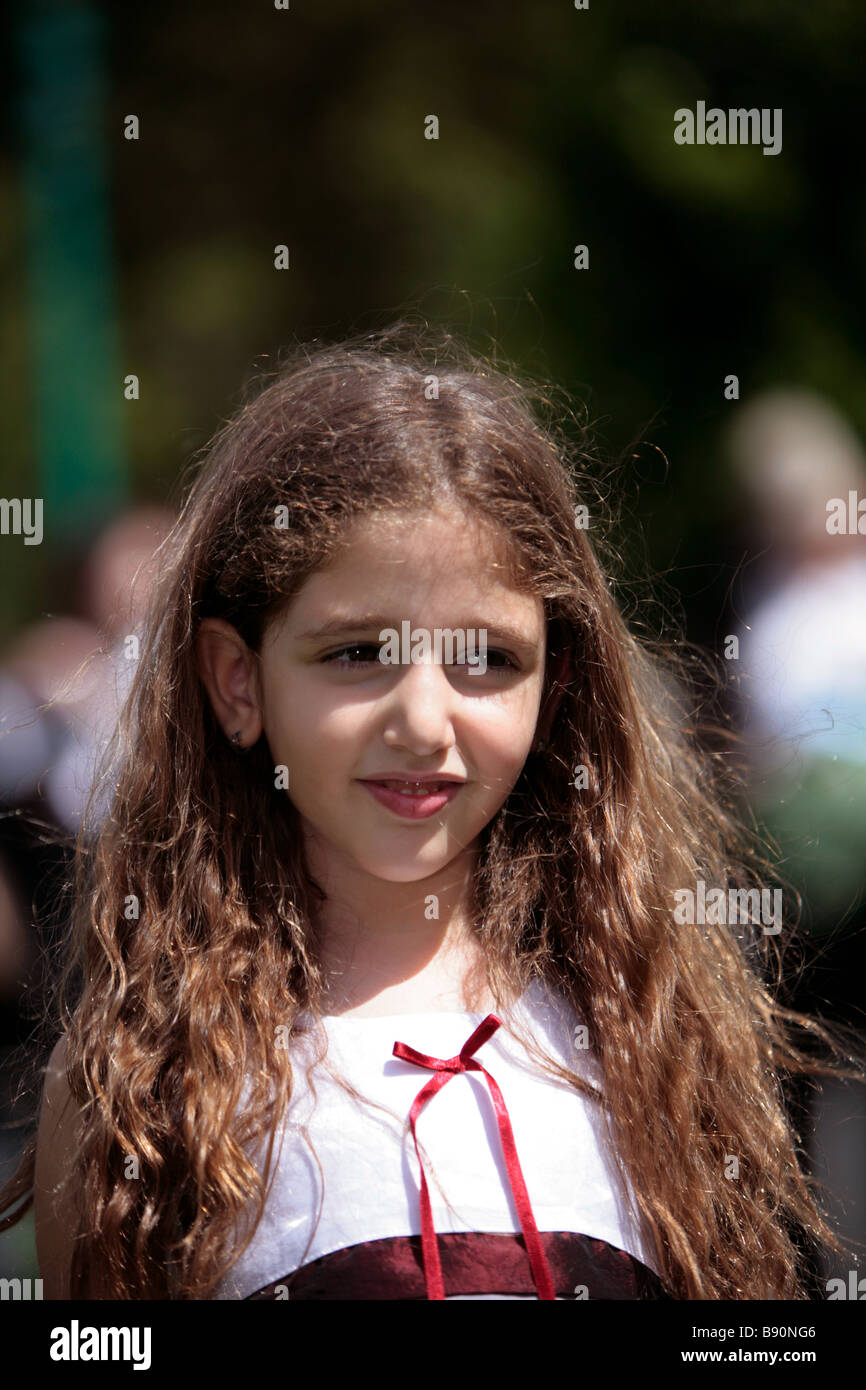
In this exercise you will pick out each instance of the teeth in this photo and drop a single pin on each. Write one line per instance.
(415, 788)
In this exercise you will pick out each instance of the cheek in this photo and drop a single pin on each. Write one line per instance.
(507, 731)
(326, 744)
(499, 757)
(298, 720)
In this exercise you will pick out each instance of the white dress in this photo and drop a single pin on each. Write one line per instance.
(367, 1241)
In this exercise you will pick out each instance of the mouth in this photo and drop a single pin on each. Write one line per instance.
(411, 798)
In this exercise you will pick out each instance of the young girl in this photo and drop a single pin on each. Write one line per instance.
(381, 982)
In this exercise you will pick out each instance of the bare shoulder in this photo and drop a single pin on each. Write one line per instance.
(56, 1190)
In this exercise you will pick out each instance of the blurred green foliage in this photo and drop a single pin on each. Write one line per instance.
(306, 127)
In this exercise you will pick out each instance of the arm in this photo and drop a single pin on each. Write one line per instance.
(55, 1212)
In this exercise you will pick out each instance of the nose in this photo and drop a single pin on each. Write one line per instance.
(420, 709)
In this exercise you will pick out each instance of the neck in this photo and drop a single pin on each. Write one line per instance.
(410, 943)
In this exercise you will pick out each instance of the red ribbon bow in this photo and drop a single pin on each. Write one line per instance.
(445, 1069)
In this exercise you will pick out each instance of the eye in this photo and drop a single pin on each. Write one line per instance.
(332, 657)
(501, 665)
(496, 660)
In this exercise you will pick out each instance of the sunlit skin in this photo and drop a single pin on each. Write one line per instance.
(333, 714)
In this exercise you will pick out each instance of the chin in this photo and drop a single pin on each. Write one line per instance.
(402, 870)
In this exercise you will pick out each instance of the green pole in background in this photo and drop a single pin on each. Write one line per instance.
(77, 379)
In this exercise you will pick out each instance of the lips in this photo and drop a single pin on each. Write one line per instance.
(413, 798)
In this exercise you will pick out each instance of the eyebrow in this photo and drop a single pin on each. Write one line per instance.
(339, 627)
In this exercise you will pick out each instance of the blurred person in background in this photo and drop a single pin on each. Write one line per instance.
(803, 712)
(84, 664)
(61, 686)
(803, 648)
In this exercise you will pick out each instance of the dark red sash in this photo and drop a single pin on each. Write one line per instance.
(491, 1263)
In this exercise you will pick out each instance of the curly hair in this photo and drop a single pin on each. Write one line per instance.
(194, 916)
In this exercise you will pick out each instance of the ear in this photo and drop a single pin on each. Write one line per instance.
(560, 675)
(228, 672)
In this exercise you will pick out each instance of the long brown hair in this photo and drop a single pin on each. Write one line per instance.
(194, 930)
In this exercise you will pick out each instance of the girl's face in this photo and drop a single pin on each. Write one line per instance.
(339, 719)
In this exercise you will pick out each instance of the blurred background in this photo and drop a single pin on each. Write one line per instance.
(153, 158)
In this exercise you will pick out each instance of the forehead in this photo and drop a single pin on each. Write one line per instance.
(441, 566)
(429, 541)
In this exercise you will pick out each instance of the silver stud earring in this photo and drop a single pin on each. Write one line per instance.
(236, 739)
